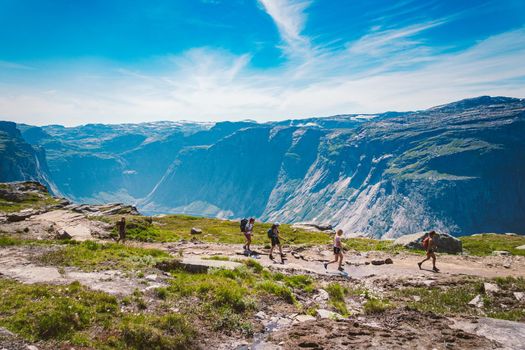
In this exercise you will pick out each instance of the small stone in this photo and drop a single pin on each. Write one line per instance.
(416, 298)
(322, 313)
(32, 347)
(501, 253)
(152, 277)
(378, 262)
(304, 318)
(322, 295)
(490, 288)
(260, 315)
(195, 231)
(476, 302)
(519, 296)
(63, 234)
(5, 333)
(388, 261)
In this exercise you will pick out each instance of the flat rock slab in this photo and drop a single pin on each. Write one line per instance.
(511, 335)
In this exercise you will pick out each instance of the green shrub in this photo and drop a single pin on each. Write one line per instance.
(278, 290)
(336, 294)
(165, 332)
(301, 282)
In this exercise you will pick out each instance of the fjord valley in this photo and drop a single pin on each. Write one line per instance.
(458, 168)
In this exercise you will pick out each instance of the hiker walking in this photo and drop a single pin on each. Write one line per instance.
(273, 234)
(338, 251)
(430, 245)
(248, 232)
(121, 226)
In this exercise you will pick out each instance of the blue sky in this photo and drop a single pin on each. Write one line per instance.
(75, 62)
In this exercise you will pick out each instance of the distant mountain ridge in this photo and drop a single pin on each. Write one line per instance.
(459, 168)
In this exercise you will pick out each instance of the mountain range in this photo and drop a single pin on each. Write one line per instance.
(457, 168)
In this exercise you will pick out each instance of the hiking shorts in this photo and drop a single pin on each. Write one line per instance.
(248, 235)
(275, 241)
(337, 250)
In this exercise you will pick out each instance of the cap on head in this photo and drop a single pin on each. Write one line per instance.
(431, 233)
(277, 224)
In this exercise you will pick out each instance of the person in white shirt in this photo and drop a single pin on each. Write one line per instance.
(338, 251)
(248, 234)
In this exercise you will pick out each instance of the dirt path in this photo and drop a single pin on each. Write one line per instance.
(358, 265)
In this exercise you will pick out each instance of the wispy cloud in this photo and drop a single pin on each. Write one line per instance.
(290, 19)
(387, 68)
(12, 65)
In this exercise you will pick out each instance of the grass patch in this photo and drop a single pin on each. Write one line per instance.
(277, 289)
(450, 301)
(375, 306)
(485, 244)
(92, 256)
(41, 312)
(336, 299)
(170, 331)
(217, 258)
(515, 284)
(369, 244)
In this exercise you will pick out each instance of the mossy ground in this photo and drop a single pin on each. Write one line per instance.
(453, 299)
(92, 256)
(485, 244)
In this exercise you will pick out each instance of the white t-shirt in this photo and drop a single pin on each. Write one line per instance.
(249, 228)
(337, 241)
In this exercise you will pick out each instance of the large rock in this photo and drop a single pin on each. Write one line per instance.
(445, 242)
(521, 247)
(511, 335)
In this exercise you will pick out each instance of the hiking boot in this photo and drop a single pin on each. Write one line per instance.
(419, 264)
(244, 247)
(271, 257)
(435, 269)
(325, 266)
(341, 269)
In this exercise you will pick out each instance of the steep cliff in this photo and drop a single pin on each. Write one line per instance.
(459, 168)
(19, 161)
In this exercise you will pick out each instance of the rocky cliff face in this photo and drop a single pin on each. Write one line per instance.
(459, 168)
(19, 161)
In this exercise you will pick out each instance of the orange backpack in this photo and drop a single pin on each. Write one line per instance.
(425, 242)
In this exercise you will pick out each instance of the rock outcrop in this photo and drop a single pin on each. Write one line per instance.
(445, 242)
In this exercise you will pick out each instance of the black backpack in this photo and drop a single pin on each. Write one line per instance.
(270, 233)
(244, 222)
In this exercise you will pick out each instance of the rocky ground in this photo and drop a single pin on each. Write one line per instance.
(385, 301)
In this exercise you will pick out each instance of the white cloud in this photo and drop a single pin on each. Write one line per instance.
(290, 19)
(206, 84)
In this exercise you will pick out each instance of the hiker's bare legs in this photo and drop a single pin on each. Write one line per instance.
(340, 260)
(281, 249)
(434, 261)
(248, 241)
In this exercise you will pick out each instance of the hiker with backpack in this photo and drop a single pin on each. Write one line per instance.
(273, 234)
(338, 251)
(247, 229)
(430, 245)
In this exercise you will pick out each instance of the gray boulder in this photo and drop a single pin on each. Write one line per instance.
(195, 231)
(445, 242)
